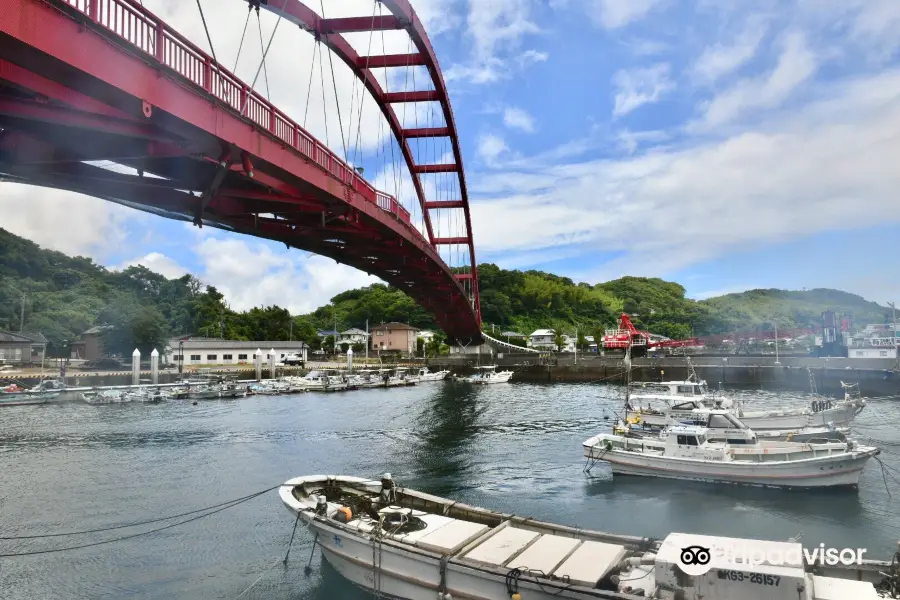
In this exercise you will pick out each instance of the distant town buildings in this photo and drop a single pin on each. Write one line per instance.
(353, 336)
(394, 337)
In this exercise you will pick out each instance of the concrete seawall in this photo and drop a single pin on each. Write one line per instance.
(875, 377)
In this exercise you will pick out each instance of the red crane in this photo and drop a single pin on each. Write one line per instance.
(627, 334)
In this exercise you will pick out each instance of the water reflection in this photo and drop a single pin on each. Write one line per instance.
(447, 426)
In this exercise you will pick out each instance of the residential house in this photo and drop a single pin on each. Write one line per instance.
(353, 336)
(22, 348)
(394, 337)
(542, 339)
(426, 335)
(89, 345)
(216, 351)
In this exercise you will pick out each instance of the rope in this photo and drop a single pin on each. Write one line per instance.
(241, 45)
(258, 579)
(137, 523)
(209, 39)
(134, 535)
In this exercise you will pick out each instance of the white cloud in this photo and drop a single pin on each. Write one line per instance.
(637, 87)
(255, 274)
(64, 221)
(826, 165)
(491, 146)
(613, 14)
(629, 141)
(870, 24)
(496, 29)
(158, 263)
(517, 118)
(719, 59)
(796, 65)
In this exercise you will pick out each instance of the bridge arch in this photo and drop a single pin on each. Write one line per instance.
(88, 80)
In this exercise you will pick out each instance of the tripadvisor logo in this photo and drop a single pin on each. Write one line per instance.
(697, 560)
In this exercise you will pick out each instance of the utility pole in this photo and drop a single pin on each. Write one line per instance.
(291, 334)
(894, 313)
(776, 344)
(367, 341)
(576, 346)
(22, 315)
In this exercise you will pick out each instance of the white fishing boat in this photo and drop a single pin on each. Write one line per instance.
(685, 452)
(401, 543)
(106, 397)
(425, 375)
(722, 424)
(225, 390)
(680, 398)
(403, 374)
(489, 374)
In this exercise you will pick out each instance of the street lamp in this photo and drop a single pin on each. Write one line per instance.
(180, 356)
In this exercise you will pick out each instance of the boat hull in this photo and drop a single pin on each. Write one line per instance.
(841, 470)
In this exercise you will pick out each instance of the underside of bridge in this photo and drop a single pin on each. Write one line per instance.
(75, 95)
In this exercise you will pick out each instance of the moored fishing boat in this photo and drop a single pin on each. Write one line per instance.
(679, 398)
(487, 375)
(685, 452)
(401, 543)
(425, 375)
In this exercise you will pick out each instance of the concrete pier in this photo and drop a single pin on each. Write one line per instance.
(876, 377)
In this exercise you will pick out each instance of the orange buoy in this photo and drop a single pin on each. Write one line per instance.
(344, 514)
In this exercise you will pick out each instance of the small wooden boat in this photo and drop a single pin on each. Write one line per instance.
(400, 543)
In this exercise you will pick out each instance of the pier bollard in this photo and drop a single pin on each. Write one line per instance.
(136, 367)
(154, 366)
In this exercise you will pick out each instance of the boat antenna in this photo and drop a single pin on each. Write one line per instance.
(627, 363)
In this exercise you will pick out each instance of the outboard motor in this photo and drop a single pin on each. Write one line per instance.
(388, 493)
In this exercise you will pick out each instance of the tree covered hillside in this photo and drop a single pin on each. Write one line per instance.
(64, 296)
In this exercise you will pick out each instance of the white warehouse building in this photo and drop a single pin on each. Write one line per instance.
(214, 352)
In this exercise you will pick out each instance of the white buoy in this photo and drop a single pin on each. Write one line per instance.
(350, 360)
(154, 366)
(272, 363)
(136, 367)
(257, 361)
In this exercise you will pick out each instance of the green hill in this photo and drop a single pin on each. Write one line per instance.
(65, 296)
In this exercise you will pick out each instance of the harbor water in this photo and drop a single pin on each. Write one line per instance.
(510, 447)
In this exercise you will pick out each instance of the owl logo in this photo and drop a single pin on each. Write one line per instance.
(694, 560)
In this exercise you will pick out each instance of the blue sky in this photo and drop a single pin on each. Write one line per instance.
(726, 145)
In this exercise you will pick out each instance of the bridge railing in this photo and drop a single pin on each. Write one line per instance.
(136, 25)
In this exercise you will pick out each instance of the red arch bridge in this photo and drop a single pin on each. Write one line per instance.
(88, 81)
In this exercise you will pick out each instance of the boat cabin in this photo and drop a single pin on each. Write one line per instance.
(722, 426)
(692, 441)
(675, 388)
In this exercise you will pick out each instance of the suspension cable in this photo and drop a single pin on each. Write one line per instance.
(324, 104)
(263, 61)
(334, 84)
(241, 45)
(312, 67)
(265, 69)
(206, 29)
(387, 89)
(362, 90)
